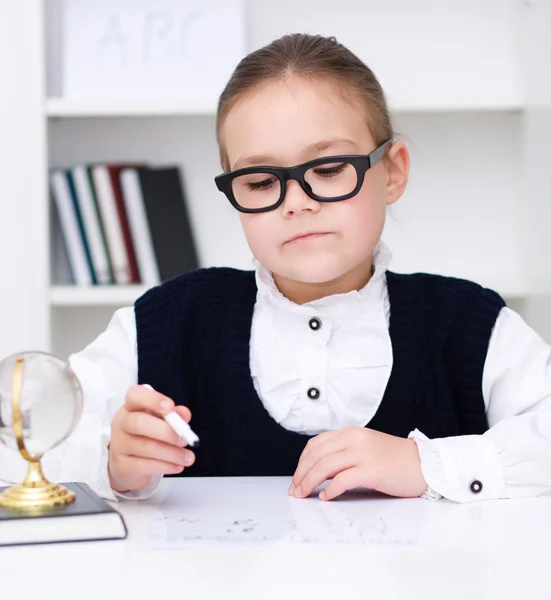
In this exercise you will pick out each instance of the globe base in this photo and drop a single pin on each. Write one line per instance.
(36, 492)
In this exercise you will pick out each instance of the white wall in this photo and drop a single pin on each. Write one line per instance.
(535, 53)
(466, 183)
(23, 270)
(505, 58)
(411, 44)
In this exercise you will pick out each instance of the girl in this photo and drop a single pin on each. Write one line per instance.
(320, 364)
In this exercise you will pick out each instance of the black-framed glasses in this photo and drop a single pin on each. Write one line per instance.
(326, 179)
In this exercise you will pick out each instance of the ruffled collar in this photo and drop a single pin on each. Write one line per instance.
(374, 290)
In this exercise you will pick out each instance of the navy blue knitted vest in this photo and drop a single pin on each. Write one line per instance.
(193, 345)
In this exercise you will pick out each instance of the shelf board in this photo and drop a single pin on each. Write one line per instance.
(60, 107)
(89, 108)
(505, 107)
(112, 295)
(126, 295)
(507, 289)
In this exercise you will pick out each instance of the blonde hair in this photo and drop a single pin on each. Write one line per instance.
(310, 56)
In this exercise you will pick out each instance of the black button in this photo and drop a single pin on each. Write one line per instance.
(313, 393)
(314, 323)
(475, 486)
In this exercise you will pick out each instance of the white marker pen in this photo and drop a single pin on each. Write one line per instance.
(179, 425)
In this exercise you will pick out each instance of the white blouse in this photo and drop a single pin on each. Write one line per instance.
(346, 355)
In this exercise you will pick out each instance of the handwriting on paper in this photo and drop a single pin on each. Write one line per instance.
(172, 530)
(258, 510)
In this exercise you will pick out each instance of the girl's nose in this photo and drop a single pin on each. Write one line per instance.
(297, 200)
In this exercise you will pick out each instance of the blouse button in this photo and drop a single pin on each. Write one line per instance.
(314, 323)
(475, 486)
(313, 393)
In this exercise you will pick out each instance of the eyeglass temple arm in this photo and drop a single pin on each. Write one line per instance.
(379, 152)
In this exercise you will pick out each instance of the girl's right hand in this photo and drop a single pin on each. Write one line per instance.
(142, 443)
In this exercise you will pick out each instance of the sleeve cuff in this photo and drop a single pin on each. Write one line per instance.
(86, 460)
(144, 493)
(462, 468)
(84, 451)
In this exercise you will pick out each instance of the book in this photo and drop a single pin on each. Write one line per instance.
(88, 518)
(168, 219)
(139, 227)
(92, 224)
(80, 221)
(114, 173)
(111, 222)
(70, 228)
(90, 175)
(60, 271)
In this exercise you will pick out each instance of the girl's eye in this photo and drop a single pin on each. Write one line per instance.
(330, 171)
(261, 185)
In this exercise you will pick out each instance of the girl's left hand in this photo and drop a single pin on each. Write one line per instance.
(359, 457)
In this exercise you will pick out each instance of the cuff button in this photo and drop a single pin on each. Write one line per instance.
(476, 486)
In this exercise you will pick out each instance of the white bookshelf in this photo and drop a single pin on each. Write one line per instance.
(66, 109)
(463, 80)
(90, 296)
(62, 108)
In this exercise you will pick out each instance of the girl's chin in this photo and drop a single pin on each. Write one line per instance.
(315, 273)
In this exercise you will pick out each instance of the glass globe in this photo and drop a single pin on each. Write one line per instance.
(50, 401)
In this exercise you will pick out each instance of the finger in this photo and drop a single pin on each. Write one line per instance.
(310, 456)
(324, 469)
(143, 447)
(140, 398)
(315, 443)
(184, 412)
(146, 425)
(345, 480)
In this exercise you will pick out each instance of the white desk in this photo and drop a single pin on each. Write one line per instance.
(492, 549)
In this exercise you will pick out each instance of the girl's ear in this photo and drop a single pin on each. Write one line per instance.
(397, 168)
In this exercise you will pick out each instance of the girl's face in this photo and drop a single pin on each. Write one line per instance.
(285, 123)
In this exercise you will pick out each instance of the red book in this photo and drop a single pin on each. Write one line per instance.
(114, 174)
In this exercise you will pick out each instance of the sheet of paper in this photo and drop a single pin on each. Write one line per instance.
(259, 511)
(155, 49)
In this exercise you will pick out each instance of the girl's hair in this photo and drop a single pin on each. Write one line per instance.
(313, 57)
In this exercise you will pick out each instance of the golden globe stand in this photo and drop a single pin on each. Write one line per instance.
(36, 492)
